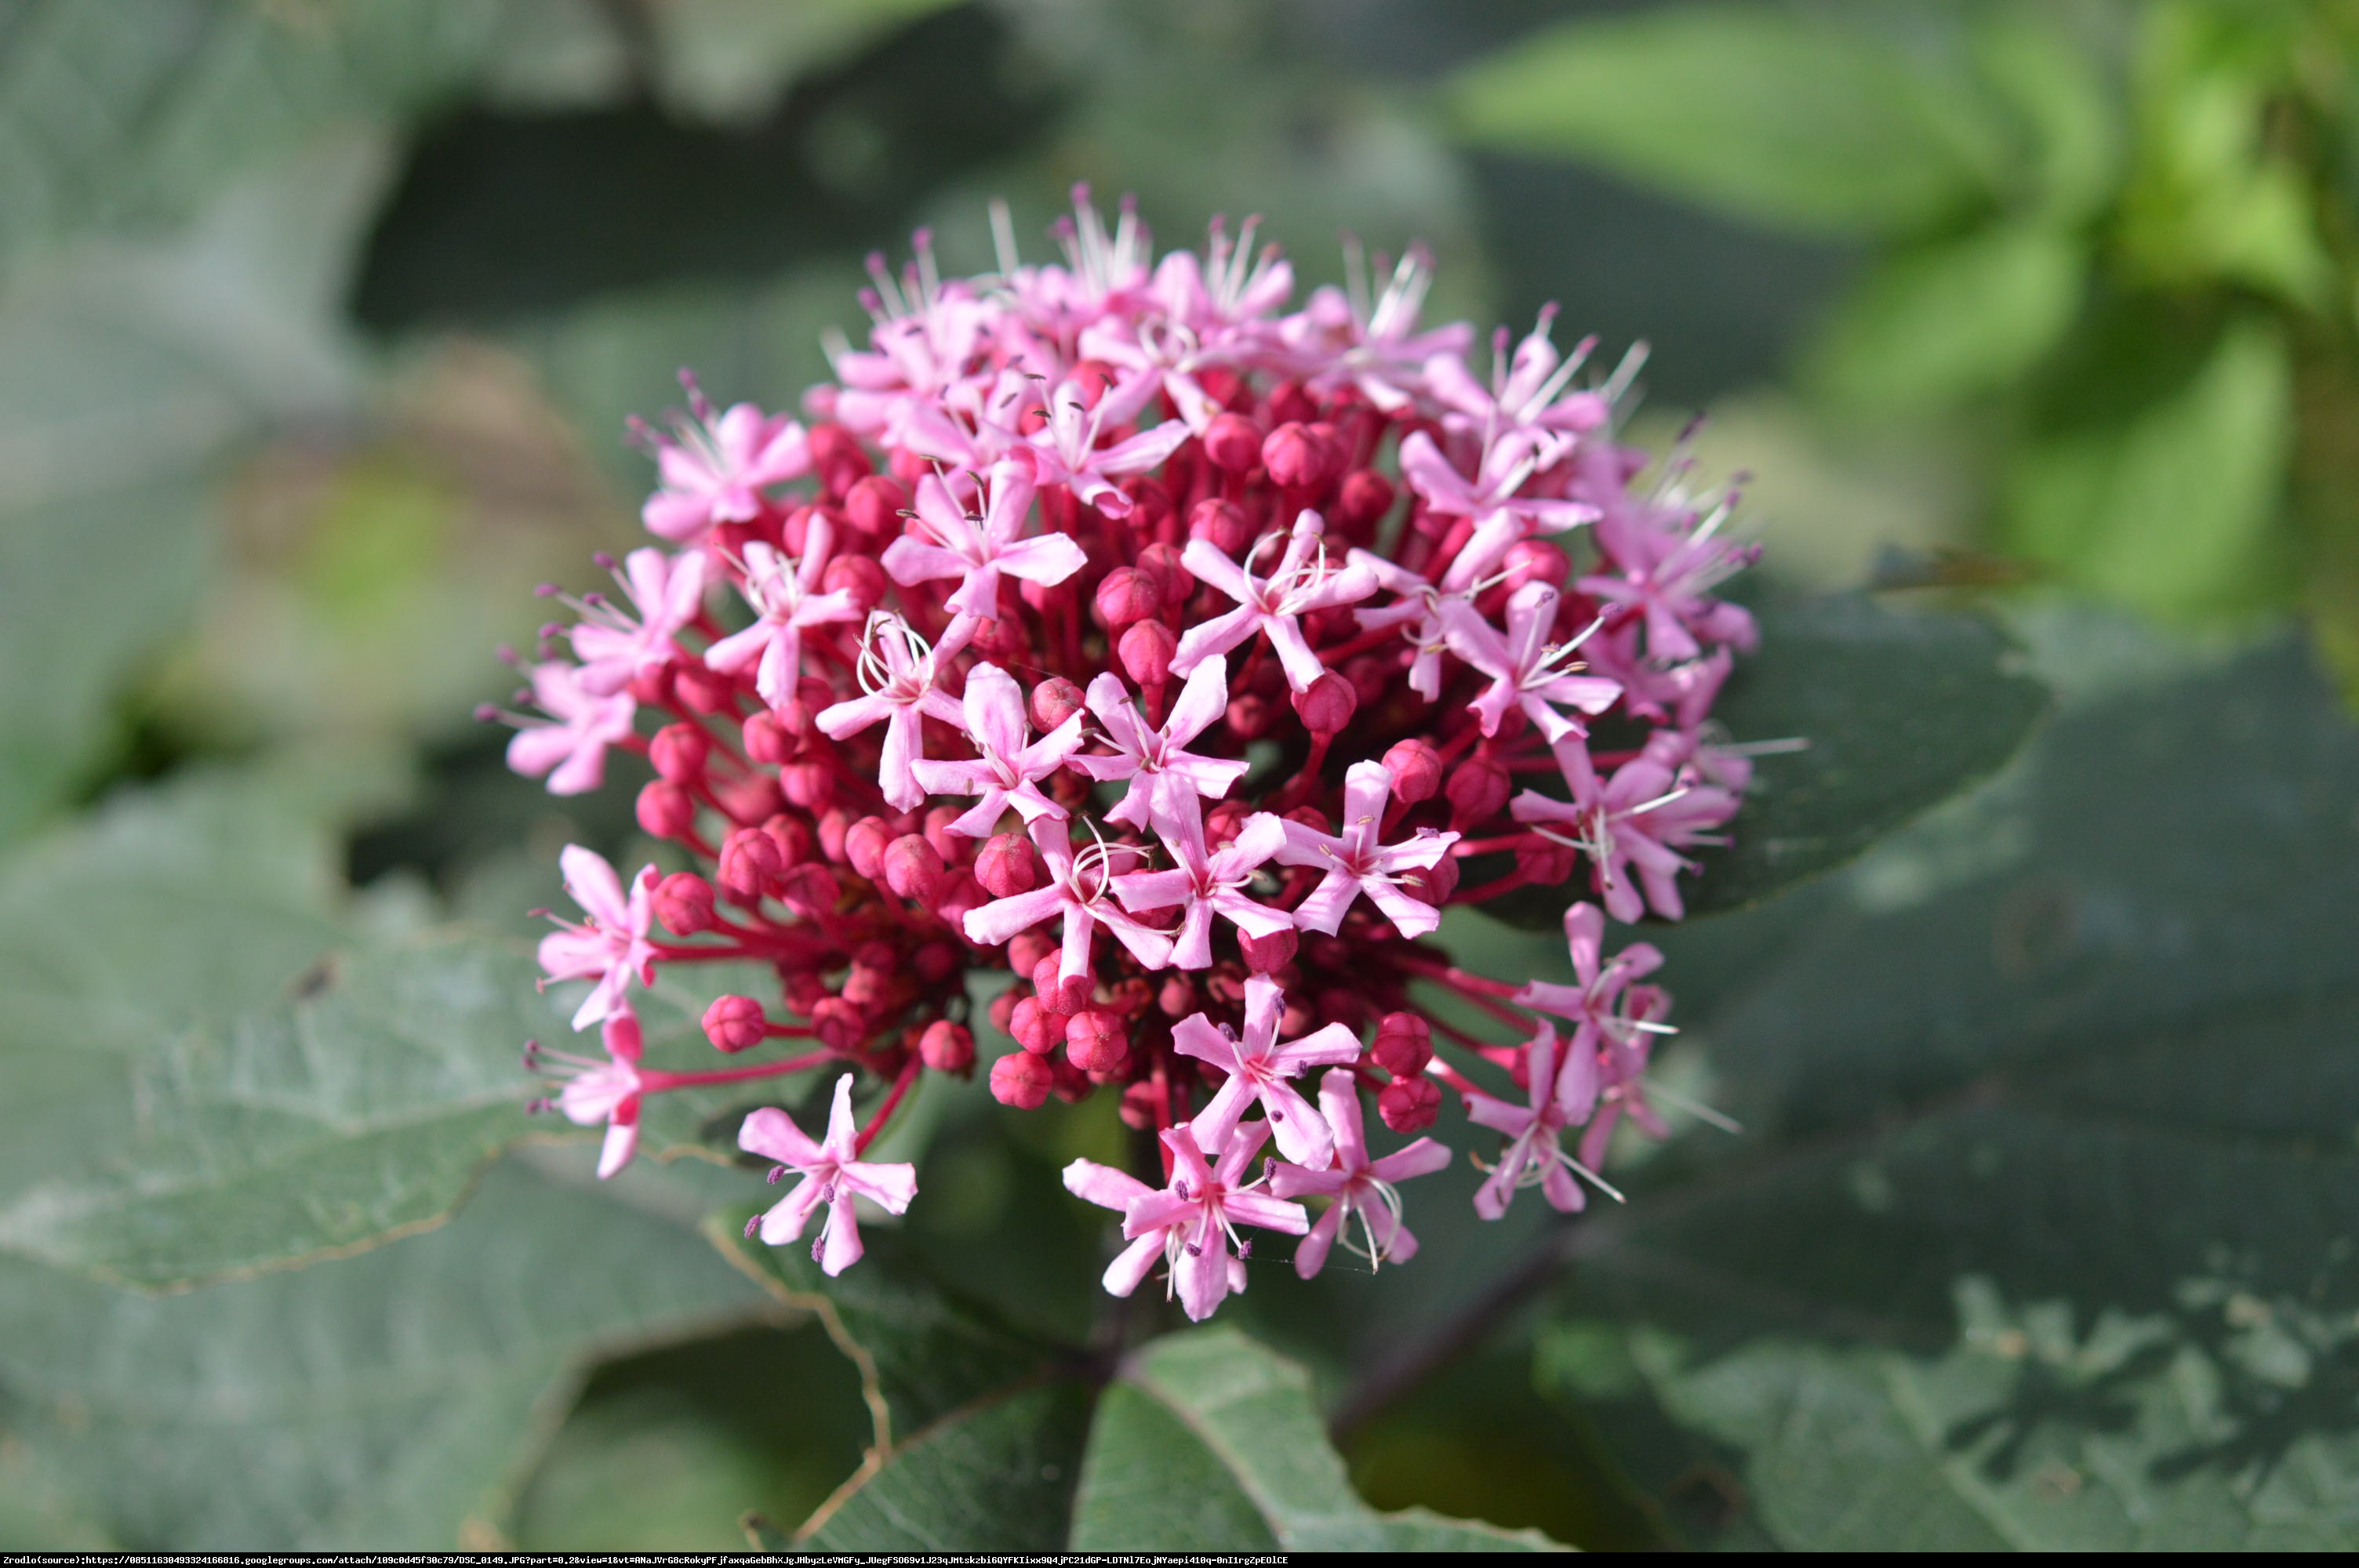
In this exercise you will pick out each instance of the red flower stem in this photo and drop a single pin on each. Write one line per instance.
(1492, 846)
(891, 1101)
(657, 1082)
(1359, 644)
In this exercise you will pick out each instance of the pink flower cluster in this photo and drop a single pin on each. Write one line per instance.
(1114, 626)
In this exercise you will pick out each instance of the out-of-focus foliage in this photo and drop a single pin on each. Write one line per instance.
(2117, 242)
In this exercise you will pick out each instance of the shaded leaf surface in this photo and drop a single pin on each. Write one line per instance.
(2041, 1236)
(374, 1403)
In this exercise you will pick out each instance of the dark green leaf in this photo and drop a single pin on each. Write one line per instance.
(2041, 1233)
(379, 1403)
(1746, 108)
(2157, 482)
(997, 1476)
(1957, 317)
(2073, 121)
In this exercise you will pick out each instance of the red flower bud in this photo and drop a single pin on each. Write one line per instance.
(1126, 595)
(1327, 704)
(1022, 1080)
(837, 456)
(1360, 503)
(953, 847)
(678, 752)
(734, 1023)
(838, 1023)
(1530, 560)
(703, 690)
(857, 577)
(1297, 457)
(1220, 524)
(1416, 767)
(1058, 993)
(1477, 790)
(810, 890)
(947, 1047)
(874, 506)
(666, 811)
(1096, 1041)
(1027, 949)
(863, 846)
(1008, 867)
(1147, 650)
(1033, 1026)
(936, 962)
(1178, 998)
(1139, 1104)
(1408, 1105)
(1054, 701)
(794, 838)
(1311, 817)
(1003, 1012)
(1545, 864)
(1233, 443)
(1404, 1044)
(1174, 583)
(1249, 716)
(831, 825)
(912, 870)
(751, 798)
(683, 902)
(767, 738)
(1267, 955)
(810, 785)
(1434, 883)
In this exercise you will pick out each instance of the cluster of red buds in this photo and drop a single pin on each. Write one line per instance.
(1107, 624)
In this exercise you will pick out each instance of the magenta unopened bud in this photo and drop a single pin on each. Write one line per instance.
(1177, 997)
(911, 867)
(863, 846)
(874, 506)
(1222, 524)
(683, 902)
(953, 847)
(1007, 866)
(1146, 651)
(836, 453)
(1127, 595)
(1054, 701)
(936, 962)
(839, 1025)
(1532, 560)
(1021, 1079)
(794, 837)
(1059, 992)
(1234, 442)
(1034, 1027)
(1408, 1105)
(666, 811)
(678, 752)
(1434, 884)
(703, 690)
(810, 891)
(1326, 705)
(1027, 949)
(1250, 716)
(1173, 582)
(1477, 791)
(1267, 955)
(1415, 765)
(1545, 864)
(767, 740)
(947, 1047)
(751, 864)
(810, 783)
(1141, 1102)
(858, 578)
(1361, 501)
(1096, 1041)
(1404, 1044)
(1296, 458)
(735, 1023)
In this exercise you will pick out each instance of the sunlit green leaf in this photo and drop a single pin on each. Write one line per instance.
(1748, 108)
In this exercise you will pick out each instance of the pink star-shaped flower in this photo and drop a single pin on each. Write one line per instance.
(1527, 670)
(596, 1091)
(1258, 1067)
(1165, 777)
(1417, 613)
(611, 946)
(1563, 1092)
(1076, 892)
(571, 748)
(1526, 393)
(898, 671)
(1502, 517)
(1205, 884)
(784, 596)
(1377, 347)
(1638, 820)
(1670, 567)
(1357, 1185)
(1065, 451)
(977, 550)
(713, 469)
(1303, 581)
(831, 1174)
(1355, 863)
(614, 648)
(1191, 1222)
(1011, 765)
(1599, 1007)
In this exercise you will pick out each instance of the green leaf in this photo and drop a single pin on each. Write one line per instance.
(1746, 108)
(2072, 120)
(996, 1476)
(1899, 711)
(1958, 318)
(377, 1404)
(2154, 475)
(2041, 1232)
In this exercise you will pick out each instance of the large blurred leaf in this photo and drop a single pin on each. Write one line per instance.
(2041, 1233)
(104, 126)
(1748, 108)
(2154, 474)
(377, 1404)
(1957, 317)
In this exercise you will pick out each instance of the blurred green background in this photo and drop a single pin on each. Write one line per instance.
(318, 321)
